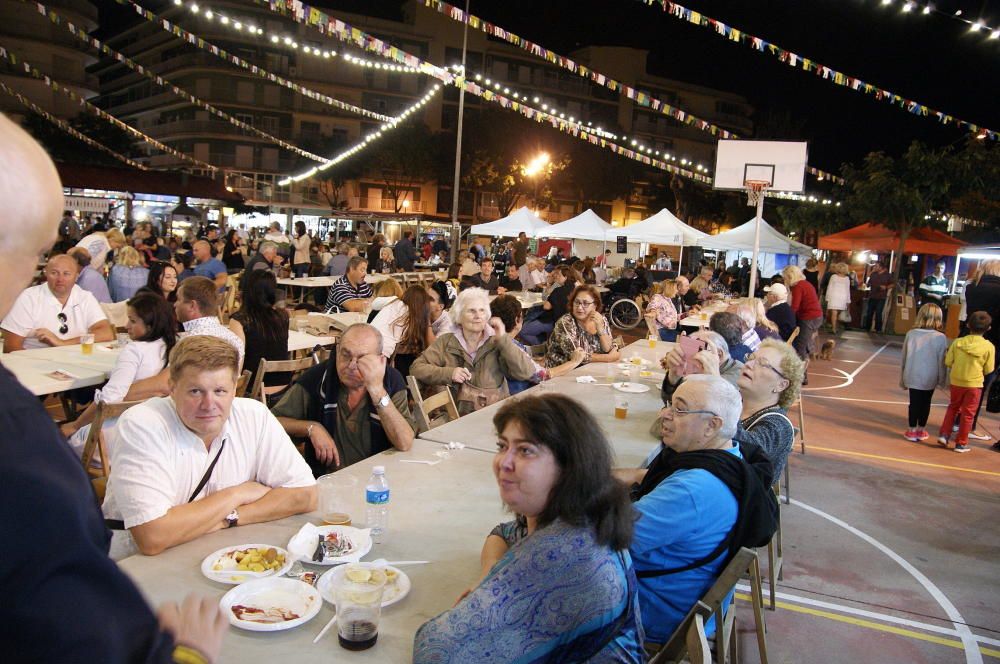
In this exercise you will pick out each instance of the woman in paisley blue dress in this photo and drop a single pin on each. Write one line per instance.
(558, 582)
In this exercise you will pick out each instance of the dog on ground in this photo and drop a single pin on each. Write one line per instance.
(825, 351)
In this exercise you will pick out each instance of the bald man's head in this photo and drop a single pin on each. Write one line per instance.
(33, 206)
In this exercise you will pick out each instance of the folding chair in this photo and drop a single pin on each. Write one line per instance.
(775, 555)
(726, 648)
(538, 350)
(423, 408)
(261, 391)
(696, 639)
(241, 384)
(802, 414)
(95, 440)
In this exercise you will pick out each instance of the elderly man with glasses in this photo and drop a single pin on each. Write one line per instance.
(701, 499)
(55, 313)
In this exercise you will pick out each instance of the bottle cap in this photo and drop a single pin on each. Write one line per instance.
(378, 470)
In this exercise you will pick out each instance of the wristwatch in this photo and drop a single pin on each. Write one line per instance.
(384, 401)
(233, 519)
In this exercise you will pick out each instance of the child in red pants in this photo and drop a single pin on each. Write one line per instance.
(971, 358)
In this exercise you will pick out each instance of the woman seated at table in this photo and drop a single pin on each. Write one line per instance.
(386, 264)
(769, 383)
(475, 361)
(162, 281)
(387, 288)
(584, 328)
(558, 584)
(762, 325)
(263, 326)
(508, 309)
(405, 325)
(152, 329)
(553, 308)
(128, 274)
(661, 314)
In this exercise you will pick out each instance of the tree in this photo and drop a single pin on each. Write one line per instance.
(596, 175)
(900, 193)
(331, 182)
(66, 148)
(976, 184)
(402, 159)
(810, 220)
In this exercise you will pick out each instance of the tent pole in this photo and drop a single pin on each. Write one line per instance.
(892, 255)
(680, 259)
(756, 245)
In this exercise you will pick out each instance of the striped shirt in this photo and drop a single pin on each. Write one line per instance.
(343, 290)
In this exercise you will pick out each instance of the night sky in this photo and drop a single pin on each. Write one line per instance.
(932, 59)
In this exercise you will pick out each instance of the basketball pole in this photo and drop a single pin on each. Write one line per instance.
(756, 245)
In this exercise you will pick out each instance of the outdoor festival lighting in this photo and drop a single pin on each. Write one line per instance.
(536, 165)
(927, 9)
(908, 7)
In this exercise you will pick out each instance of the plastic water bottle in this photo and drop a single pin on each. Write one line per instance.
(377, 504)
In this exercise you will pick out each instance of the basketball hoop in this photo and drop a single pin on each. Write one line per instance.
(755, 190)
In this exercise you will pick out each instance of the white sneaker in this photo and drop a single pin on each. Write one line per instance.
(980, 436)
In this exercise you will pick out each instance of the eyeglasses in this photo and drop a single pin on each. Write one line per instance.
(680, 411)
(63, 327)
(583, 304)
(758, 359)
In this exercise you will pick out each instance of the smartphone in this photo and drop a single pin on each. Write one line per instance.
(690, 347)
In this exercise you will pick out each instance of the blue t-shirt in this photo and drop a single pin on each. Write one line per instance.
(210, 268)
(682, 520)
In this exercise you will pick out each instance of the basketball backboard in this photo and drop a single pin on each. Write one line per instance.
(781, 163)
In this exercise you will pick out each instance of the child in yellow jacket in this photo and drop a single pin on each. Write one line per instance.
(971, 358)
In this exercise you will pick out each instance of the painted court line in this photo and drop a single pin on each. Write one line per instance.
(909, 461)
(875, 615)
(868, 624)
(971, 647)
(849, 377)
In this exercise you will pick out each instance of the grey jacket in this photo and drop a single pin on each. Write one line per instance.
(923, 360)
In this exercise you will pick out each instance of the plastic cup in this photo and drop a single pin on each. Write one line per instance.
(652, 341)
(123, 338)
(337, 494)
(359, 608)
(87, 344)
(621, 406)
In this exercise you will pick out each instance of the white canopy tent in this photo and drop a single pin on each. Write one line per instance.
(522, 220)
(662, 228)
(741, 238)
(584, 226)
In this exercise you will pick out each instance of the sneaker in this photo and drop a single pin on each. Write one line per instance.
(962, 448)
(922, 434)
(954, 428)
(980, 436)
(942, 441)
(911, 435)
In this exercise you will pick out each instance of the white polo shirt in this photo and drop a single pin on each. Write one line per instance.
(157, 462)
(37, 307)
(98, 246)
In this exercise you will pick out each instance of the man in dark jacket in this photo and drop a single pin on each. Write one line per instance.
(65, 599)
(984, 295)
(405, 252)
(778, 310)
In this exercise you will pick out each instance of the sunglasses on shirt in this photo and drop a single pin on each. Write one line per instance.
(63, 327)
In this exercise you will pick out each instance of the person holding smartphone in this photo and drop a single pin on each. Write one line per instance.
(704, 352)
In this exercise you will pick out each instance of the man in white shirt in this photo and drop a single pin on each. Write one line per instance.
(55, 313)
(201, 460)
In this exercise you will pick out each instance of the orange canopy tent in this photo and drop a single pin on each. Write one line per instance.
(875, 237)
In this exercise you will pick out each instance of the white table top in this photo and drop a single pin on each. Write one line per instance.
(303, 341)
(630, 437)
(527, 299)
(440, 513)
(309, 282)
(33, 372)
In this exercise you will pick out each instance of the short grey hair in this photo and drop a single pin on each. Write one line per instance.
(371, 330)
(716, 340)
(721, 398)
(464, 300)
(267, 245)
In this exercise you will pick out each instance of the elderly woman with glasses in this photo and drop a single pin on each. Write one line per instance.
(584, 328)
(769, 384)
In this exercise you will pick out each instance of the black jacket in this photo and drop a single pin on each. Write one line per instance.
(782, 315)
(985, 296)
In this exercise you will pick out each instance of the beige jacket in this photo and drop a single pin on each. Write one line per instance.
(498, 358)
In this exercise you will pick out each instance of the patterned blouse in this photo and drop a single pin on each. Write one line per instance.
(665, 312)
(568, 335)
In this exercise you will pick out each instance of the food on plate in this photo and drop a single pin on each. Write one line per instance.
(272, 614)
(249, 560)
(333, 545)
(372, 575)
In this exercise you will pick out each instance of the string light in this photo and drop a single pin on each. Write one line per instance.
(928, 8)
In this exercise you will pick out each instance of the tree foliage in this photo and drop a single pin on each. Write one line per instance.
(332, 182)
(403, 159)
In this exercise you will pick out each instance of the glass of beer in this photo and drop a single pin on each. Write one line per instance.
(621, 406)
(337, 493)
(652, 340)
(87, 344)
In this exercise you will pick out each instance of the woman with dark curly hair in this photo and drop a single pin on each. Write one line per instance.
(557, 583)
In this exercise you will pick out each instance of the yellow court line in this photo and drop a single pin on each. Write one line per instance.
(940, 640)
(911, 461)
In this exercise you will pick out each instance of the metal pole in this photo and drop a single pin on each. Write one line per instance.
(456, 228)
(756, 244)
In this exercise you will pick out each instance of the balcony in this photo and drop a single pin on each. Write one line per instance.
(488, 212)
(385, 204)
(258, 197)
(207, 128)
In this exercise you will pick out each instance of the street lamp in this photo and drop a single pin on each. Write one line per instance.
(534, 168)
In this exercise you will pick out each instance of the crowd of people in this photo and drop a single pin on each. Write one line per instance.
(598, 563)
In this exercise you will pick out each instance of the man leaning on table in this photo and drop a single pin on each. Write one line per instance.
(200, 460)
(351, 292)
(55, 313)
(350, 408)
(65, 599)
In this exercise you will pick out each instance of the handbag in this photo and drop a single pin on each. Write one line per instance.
(476, 398)
(844, 316)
